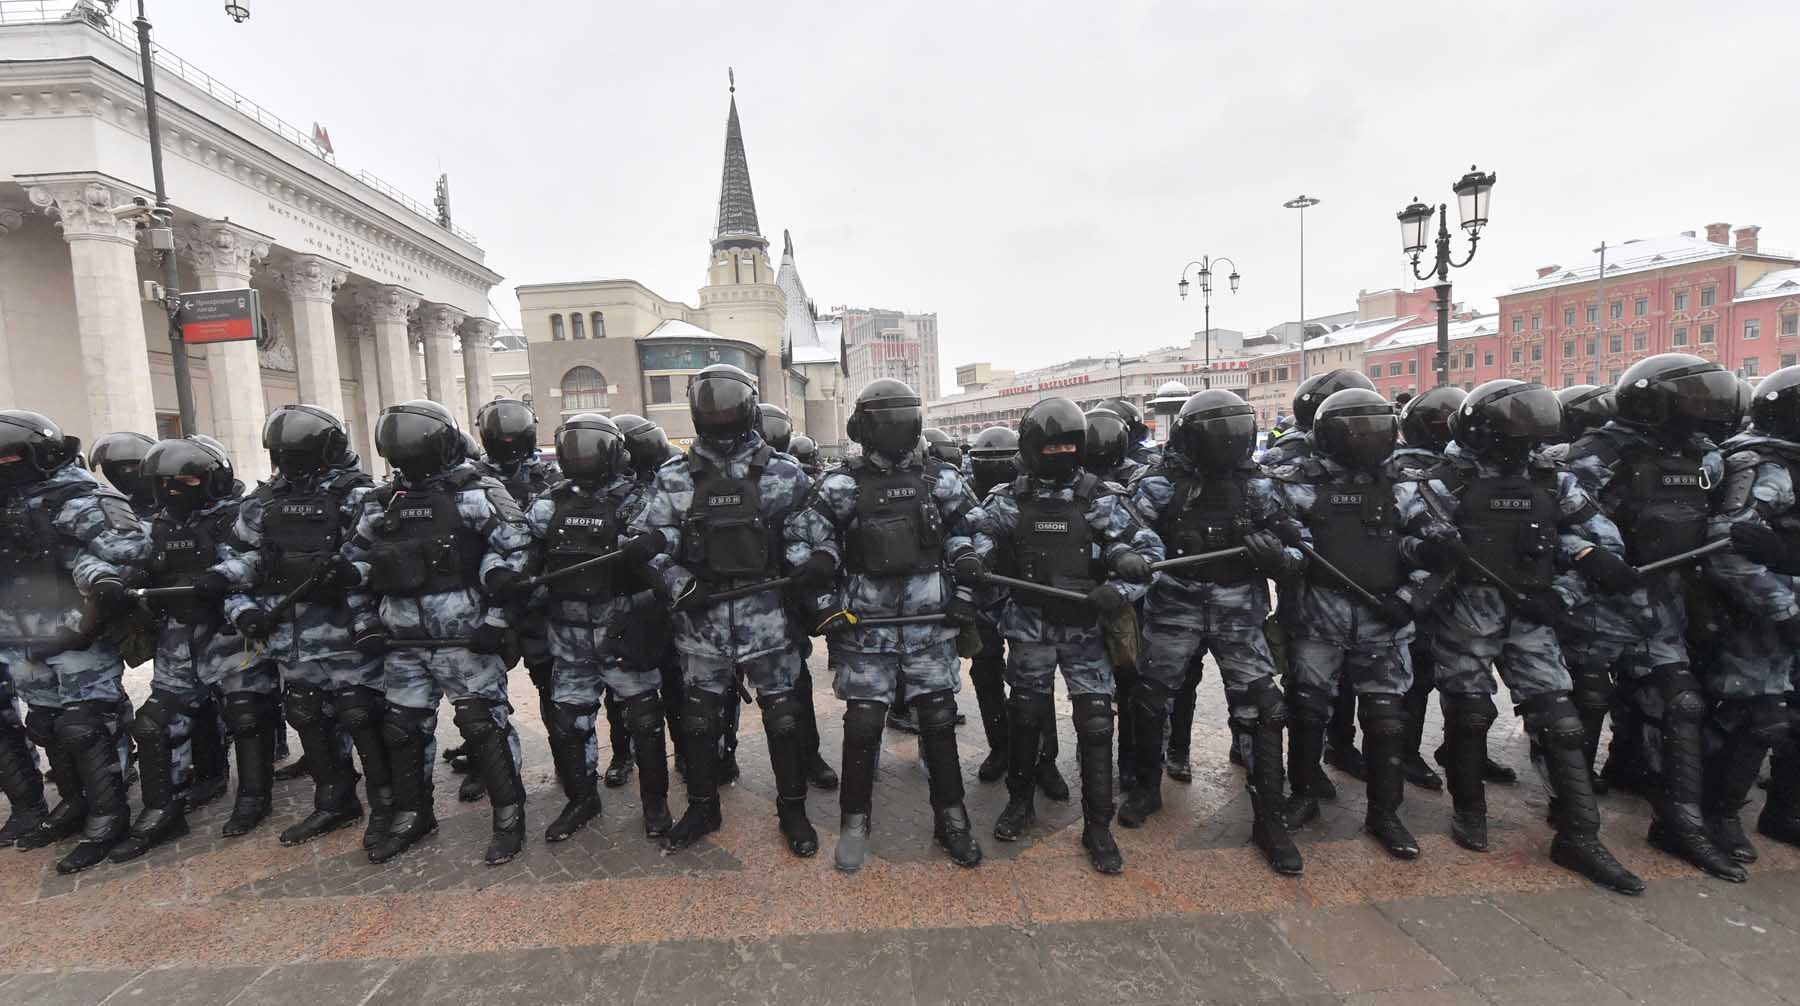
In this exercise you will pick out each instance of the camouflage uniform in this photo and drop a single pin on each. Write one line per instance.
(1288, 449)
(20, 779)
(526, 481)
(1145, 454)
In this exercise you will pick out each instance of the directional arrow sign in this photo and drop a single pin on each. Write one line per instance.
(209, 316)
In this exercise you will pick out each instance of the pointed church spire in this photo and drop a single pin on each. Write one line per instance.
(737, 226)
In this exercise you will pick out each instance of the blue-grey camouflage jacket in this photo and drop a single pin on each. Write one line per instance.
(830, 515)
(578, 627)
(206, 650)
(1329, 613)
(1758, 488)
(1177, 596)
(1289, 448)
(526, 479)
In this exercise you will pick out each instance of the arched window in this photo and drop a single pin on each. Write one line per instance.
(583, 390)
(599, 325)
(526, 398)
(576, 327)
(556, 328)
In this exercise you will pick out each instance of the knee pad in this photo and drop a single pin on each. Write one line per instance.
(84, 723)
(1271, 705)
(151, 724)
(1093, 715)
(781, 713)
(359, 708)
(406, 725)
(477, 719)
(1550, 712)
(40, 725)
(1382, 714)
(305, 705)
(643, 713)
(936, 712)
(1682, 696)
(1028, 707)
(1768, 721)
(564, 720)
(248, 712)
(700, 713)
(1593, 689)
(1311, 706)
(1475, 713)
(1687, 707)
(863, 721)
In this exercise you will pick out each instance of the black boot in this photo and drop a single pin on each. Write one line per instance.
(570, 728)
(1592, 694)
(863, 721)
(1269, 830)
(1093, 753)
(644, 718)
(1412, 763)
(700, 725)
(936, 713)
(70, 812)
(1467, 719)
(781, 725)
(1149, 711)
(1732, 775)
(163, 818)
(406, 733)
(1050, 779)
(254, 720)
(1780, 817)
(1560, 743)
(1340, 735)
(212, 763)
(1177, 760)
(485, 731)
(86, 732)
(1679, 827)
(359, 713)
(1383, 726)
(1308, 712)
(1125, 680)
(20, 779)
(618, 769)
(819, 773)
(1025, 716)
(335, 806)
(986, 672)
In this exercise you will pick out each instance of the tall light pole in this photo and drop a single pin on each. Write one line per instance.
(1472, 191)
(1301, 203)
(1205, 262)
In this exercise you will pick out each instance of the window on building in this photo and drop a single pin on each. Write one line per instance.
(1412, 366)
(1592, 344)
(1394, 369)
(1752, 366)
(659, 391)
(1469, 361)
(1568, 349)
(1452, 361)
(1616, 310)
(1752, 329)
(1612, 377)
(1487, 359)
(556, 328)
(1616, 343)
(583, 390)
(599, 321)
(1640, 307)
(1681, 300)
(577, 327)
(526, 398)
(1789, 359)
(1790, 324)
(1568, 380)
(1593, 314)
(1537, 321)
(1679, 337)
(1375, 371)
(1706, 334)
(1281, 373)
(1568, 317)
(1638, 341)
(1468, 385)
(1706, 295)
(1537, 352)
(1518, 324)
(1518, 355)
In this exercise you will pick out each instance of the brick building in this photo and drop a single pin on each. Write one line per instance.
(1403, 361)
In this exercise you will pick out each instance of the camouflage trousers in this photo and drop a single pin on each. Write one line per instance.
(1525, 654)
(95, 674)
(10, 720)
(1172, 655)
(1747, 662)
(582, 685)
(417, 678)
(1374, 668)
(769, 674)
(878, 677)
(1031, 664)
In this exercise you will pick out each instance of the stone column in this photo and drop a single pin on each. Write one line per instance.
(478, 362)
(438, 322)
(387, 308)
(10, 220)
(223, 254)
(362, 337)
(109, 315)
(311, 283)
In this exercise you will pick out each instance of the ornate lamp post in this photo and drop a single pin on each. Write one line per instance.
(1206, 275)
(1472, 191)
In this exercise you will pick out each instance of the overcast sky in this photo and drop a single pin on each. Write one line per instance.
(1038, 174)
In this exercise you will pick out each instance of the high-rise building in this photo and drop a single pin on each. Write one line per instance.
(881, 343)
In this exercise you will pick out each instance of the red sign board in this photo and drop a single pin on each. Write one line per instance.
(210, 316)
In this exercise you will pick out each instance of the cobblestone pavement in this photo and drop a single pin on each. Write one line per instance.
(605, 918)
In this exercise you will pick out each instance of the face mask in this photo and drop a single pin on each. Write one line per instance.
(1057, 467)
(297, 464)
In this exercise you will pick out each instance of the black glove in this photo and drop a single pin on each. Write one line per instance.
(372, 641)
(1441, 549)
(210, 585)
(695, 598)
(1609, 572)
(254, 623)
(968, 567)
(487, 639)
(1267, 553)
(110, 590)
(1789, 631)
(834, 623)
(1543, 607)
(1133, 568)
(1763, 546)
(819, 570)
(340, 573)
(1107, 598)
(1395, 611)
(641, 548)
(961, 612)
(60, 641)
(502, 584)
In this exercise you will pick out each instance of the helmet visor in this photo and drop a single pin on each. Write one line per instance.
(1218, 442)
(1533, 415)
(1359, 441)
(588, 455)
(723, 408)
(778, 431)
(892, 431)
(1707, 400)
(411, 442)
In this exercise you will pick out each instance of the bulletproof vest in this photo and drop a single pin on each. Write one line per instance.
(527, 480)
(1054, 545)
(897, 528)
(1357, 529)
(1209, 515)
(1509, 524)
(1742, 455)
(421, 543)
(32, 577)
(179, 553)
(1659, 501)
(302, 527)
(725, 535)
(583, 525)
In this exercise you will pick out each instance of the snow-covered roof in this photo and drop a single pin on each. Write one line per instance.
(1782, 283)
(801, 334)
(1360, 332)
(1633, 256)
(1424, 334)
(676, 329)
(827, 333)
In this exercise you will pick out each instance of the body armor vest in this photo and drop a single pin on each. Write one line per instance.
(1055, 546)
(1509, 523)
(583, 525)
(179, 553)
(422, 545)
(302, 528)
(32, 577)
(1357, 529)
(1742, 456)
(1208, 515)
(897, 528)
(527, 480)
(725, 535)
(1660, 502)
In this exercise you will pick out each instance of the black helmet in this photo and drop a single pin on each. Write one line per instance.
(1108, 438)
(589, 448)
(1425, 421)
(509, 430)
(1214, 431)
(304, 440)
(1053, 439)
(1134, 417)
(1356, 427)
(1314, 390)
(888, 417)
(722, 401)
(1776, 410)
(32, 447)
(777, 426)
(1584, 407)
(420, 438)
(1678, 394)
(994, 457)
(805, 450)
(120, 457)
(169, 463)
(645, 441)
(1503, 421)
(939, 445)
(1746, 397)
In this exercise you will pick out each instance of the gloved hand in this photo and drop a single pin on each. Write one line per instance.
(1395, 611)
(210, 585)
(1789, 631)
(503, 584)
(641, 548)
(1543, 607)
(695, 598)
(961, 611)
(340, 573)
(967, 568)
(1441, 548)
(1267, 553)
(819, 570)
(254, 623)
(487, 639)
(1764, 546)
(1107, 598)
(60, 641)
(109, 591)
(1133, 568)
(1611, 573)
(834, 623)
(372, 641)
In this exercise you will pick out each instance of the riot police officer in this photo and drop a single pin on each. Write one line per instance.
(436, 549)
(288, 585)
(941, 446)
(1141, 449)
(1651, 470)
(873, 543)
(1206, 495)
(776, 425)
(723, 512)
(1584, 407)
(806, 451)
(1424, 433)
(67, 546)
(778, 430)
(1510, 519)
(601, 621)
(1109, 444)
(120, 457)
(1061, 526)
(647, 448)
(1347, 497)
(1312, 392)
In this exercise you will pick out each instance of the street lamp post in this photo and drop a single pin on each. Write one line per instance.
(1301, 203)
(1472, 192)
(1205, 263)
